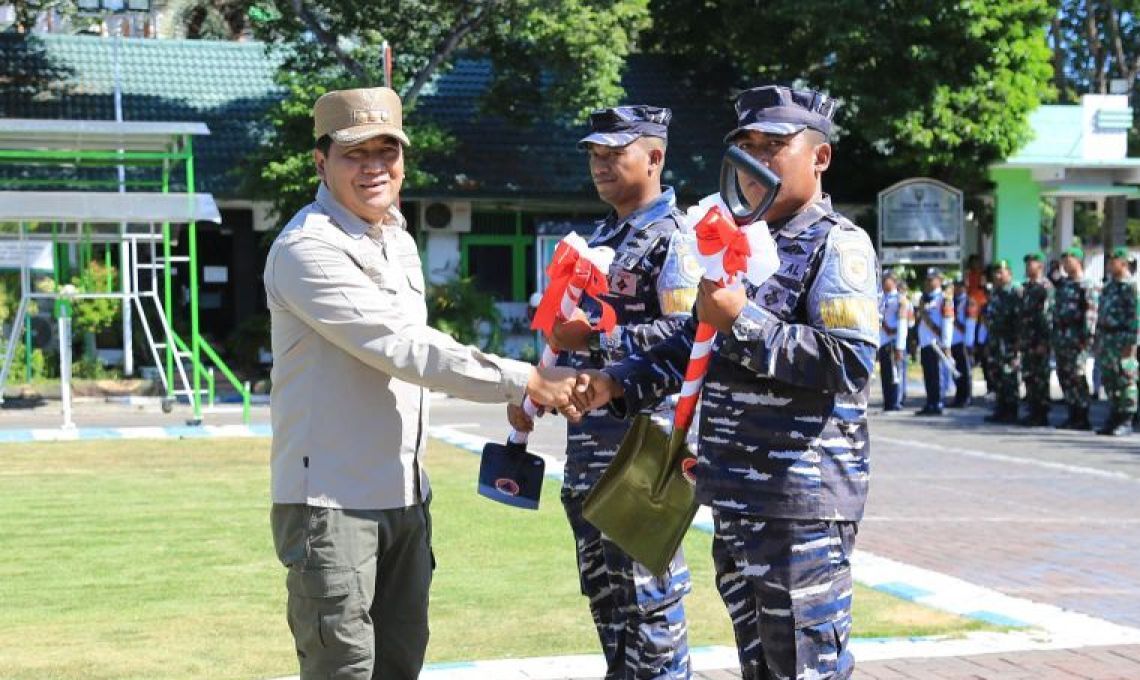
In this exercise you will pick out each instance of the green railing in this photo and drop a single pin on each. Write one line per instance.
(241, 388)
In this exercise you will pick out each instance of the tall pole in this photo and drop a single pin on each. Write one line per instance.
(192, 248)
(65, 366)
(124, 255)
(387, 50)
(167, 287)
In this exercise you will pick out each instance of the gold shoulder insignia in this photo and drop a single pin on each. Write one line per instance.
(678, 300)
(849, 312)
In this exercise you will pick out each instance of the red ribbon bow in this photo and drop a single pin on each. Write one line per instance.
(715, 233)
(568, 268)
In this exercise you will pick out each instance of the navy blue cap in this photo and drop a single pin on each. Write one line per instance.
(780, 110)
(933, 272)
(620, 125)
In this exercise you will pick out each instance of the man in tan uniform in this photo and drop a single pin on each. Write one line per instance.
(354, 359)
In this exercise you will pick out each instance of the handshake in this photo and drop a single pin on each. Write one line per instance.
(566, 390)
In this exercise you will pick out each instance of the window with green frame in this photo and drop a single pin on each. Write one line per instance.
(497, 254)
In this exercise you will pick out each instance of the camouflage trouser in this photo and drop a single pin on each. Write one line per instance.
(1118, 373)
(787, 586)
(1005, 370)
(640, 618)
(1071, 361)
(1035, 373)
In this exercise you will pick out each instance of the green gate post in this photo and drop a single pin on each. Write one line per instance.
(195, 339)
(167, 296)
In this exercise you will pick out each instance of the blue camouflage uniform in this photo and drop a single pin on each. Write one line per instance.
(892, 341)
(783, 447)
(640, 617)
(935, 328)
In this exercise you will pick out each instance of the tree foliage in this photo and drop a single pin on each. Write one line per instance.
(466, 313)
(934, 88)
(550, 59)
(1093, 42)
(95, 315)
(207, 19)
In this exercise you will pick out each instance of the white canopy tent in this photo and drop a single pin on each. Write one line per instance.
(97, 217)
(127, 219)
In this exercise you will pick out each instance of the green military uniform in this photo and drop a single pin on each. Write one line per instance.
(1136, 285)
(1115, 341)
(1003, 314)
(1074, 303)
(1033, 334)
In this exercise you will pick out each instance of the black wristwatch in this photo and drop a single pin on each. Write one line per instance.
(594, 342)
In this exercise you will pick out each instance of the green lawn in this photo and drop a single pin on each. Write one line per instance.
(153, 559)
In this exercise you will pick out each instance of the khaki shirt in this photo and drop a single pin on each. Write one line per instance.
(352, 356)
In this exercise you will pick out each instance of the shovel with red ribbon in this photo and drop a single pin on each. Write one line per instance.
(508, 473)
(645, 500)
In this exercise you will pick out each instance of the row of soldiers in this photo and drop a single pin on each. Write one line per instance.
(1013, 330)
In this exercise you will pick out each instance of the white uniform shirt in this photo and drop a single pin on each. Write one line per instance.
(894, 328)
(932, 310)
(965, 326)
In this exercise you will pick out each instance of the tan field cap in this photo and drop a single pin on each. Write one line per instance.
(353, 116)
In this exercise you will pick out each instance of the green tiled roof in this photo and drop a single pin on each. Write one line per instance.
(227, 85)
(496, 158)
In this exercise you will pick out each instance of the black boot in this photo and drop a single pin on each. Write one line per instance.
(1082, 420)
(1110, 424)
(1004, 413)
(1038, 417)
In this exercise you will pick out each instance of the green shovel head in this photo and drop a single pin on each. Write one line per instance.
(643, 502)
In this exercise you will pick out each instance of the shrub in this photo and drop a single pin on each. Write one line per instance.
(461, 310)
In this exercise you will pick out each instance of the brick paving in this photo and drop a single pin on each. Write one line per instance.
(1067, 536)
(1089, 663)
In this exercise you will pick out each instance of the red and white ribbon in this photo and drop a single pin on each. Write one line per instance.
(575, 270)
(728, 254)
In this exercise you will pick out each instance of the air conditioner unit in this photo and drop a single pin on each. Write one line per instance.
(446, 216)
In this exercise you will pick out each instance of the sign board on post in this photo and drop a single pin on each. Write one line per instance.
(37, 254)
(921, 221)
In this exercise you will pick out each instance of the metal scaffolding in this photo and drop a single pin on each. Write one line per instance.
(135, 223)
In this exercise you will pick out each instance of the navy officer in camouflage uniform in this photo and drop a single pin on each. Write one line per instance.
(653, 283)
(783, 448)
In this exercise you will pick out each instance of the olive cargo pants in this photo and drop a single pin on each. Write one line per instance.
(357, 587)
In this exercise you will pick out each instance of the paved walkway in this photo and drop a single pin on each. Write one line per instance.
(1049, 516)
(1089, 663)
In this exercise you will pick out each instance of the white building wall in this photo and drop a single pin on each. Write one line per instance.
(1098, 143)
(442, 256)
